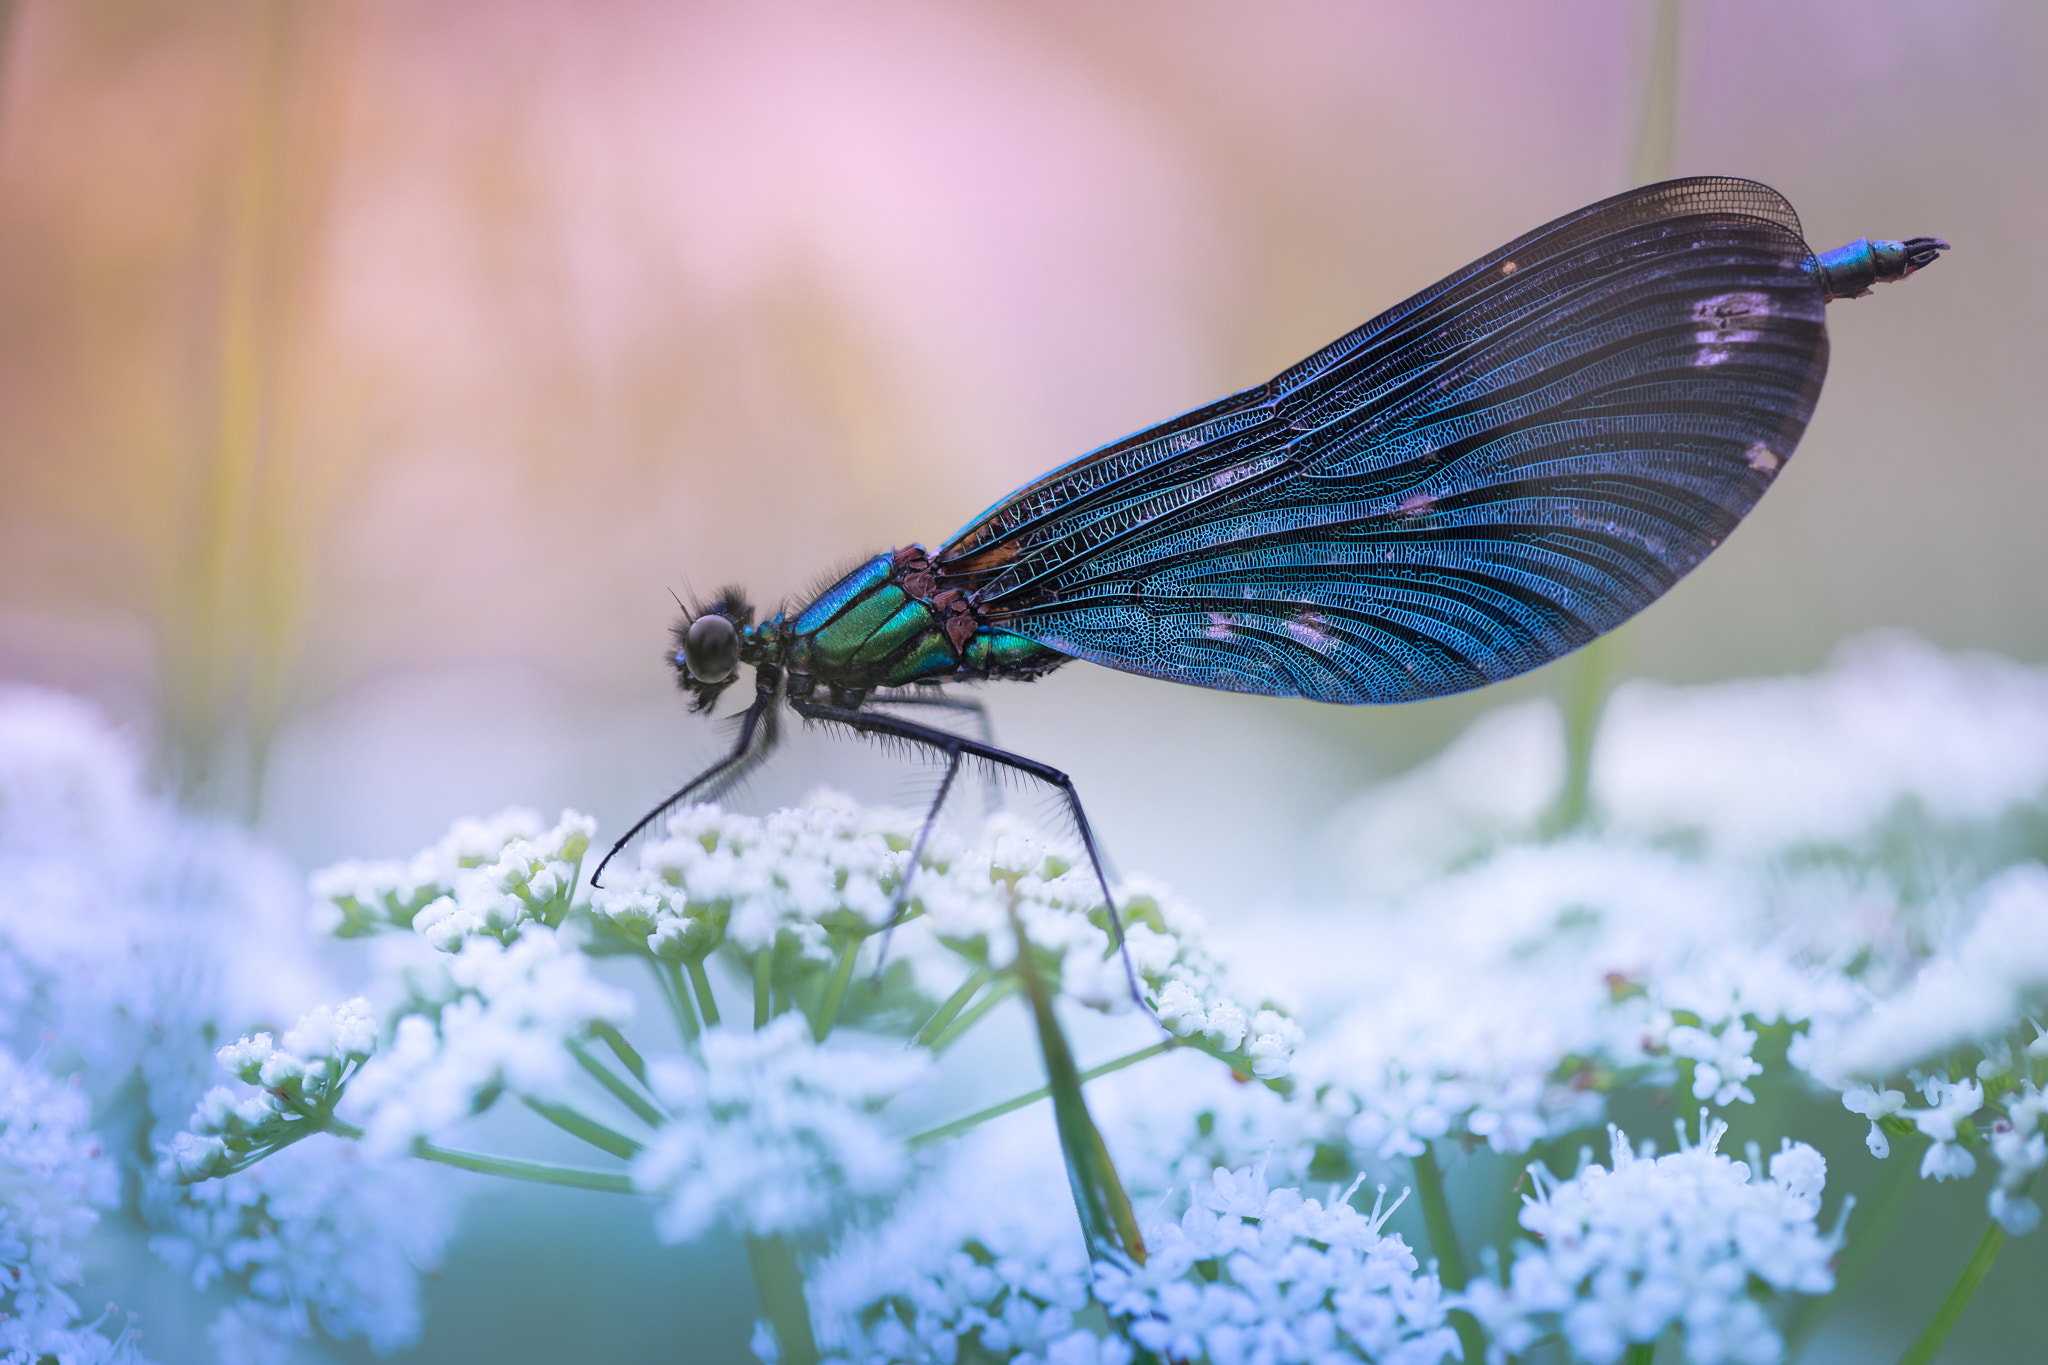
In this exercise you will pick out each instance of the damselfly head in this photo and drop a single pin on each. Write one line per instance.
(707, 648)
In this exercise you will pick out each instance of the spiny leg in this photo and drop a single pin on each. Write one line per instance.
(871, 723)
(900, 903)
(759, 719)
(969, 705)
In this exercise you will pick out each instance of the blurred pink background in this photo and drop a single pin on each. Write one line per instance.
(372, 373)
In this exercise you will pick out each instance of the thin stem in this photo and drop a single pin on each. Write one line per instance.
(1001, 991)
(779, 1283)
(1443, 1239)
(954, 1004)
(1436, 1214)
(538, 1172)
(622, 1049)
(1010, 1106)
(764, 985)
(585, 1127)
(619, 1090)
(835, 993)
(1108, 1222)
(1642, 1353)
(706, 1001)
(678, 1000)
(1922, 1350)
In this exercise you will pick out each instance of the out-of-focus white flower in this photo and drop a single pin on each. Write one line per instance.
(483, 877)
(1875, 1105)
(1977, 988)
(1253, 1274)
(965, 1258)
(1954, 1104)
(53, 1181)
(772, 1132)
(513, 1011)
(1722, 1061)
(1626, 1252)
(321, 1235)
(1756, 767)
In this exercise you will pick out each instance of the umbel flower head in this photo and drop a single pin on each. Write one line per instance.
(772, 1131)
(1649, 1241)
(809, 886)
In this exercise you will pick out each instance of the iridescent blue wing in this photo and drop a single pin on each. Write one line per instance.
(1472, 484)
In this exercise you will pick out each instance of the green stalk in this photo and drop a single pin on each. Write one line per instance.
(1443, 1240)
(1003, 989)
(779, 1283)
(764, 985)
(835, 992)
(1107, 1221)
(538, 1172)
(1929, 1342)
(622, 1049)
(954, 1004)
(1642, 1353)
(619, 1090)
(678, 1000)
(1010, 1106)
(585, 1127)
(706, 1001)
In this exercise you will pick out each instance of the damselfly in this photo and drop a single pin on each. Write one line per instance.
(1477, 481)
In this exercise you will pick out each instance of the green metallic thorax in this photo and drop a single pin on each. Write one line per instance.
(867, 631)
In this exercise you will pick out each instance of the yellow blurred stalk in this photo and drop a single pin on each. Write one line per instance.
(1591, 674)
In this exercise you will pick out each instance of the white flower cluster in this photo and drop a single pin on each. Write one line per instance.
(772, 1132)
(54, 1179)
(502, 1018)
(827, 873)
(966, 1263)
(717, 877)
(132, 937)
(482, 877)
(323, 1236)
(293, 1087)
(1253, 1274)
(1629, 1250)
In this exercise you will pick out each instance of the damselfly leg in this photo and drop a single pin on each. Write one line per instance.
(759, 722)
(955, 747)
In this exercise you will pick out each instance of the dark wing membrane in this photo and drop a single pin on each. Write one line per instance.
(1472, 484)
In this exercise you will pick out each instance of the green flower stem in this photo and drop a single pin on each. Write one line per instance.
(512, 1168)
(1107, 1220)
(780, 1285)
(1642, 1353)
(620, 1091)
(1009, 1106)
(706, 1001)
(954, 1004)
(678, 998)
(538, 1172)
(585, 1127)
(1436, 1214)
(764, 985)
(968, 1018)
(1443, 1240)
(835, 992)
(622, 1049)
(1929, 1342)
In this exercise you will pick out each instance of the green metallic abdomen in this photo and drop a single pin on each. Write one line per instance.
(865, 631)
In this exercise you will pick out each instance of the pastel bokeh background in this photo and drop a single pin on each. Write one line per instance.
(373, 373)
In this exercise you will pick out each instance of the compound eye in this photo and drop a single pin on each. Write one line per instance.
(711, 649)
